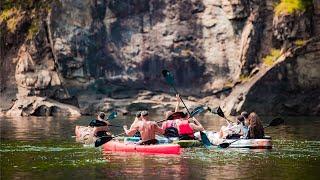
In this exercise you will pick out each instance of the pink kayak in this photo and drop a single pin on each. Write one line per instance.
(117, 146)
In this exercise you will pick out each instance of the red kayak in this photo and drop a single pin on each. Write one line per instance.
(117, 146)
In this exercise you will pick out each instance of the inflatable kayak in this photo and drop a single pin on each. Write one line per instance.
(265, 143)
(117, 146)
(250, 143)
(163, 140)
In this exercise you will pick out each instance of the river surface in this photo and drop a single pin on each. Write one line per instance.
(45, 148)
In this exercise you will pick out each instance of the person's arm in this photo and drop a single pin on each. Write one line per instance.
(131, 131)
(178, 103)
(158, 129)
(164, 125)
(136, 119)
(196, 126)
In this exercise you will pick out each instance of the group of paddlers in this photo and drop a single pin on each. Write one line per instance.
(246, 126)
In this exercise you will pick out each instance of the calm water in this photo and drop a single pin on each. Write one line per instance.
(44, 148)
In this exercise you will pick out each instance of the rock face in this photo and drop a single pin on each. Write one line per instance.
(290, 87)
(89, 54)
(133, 42)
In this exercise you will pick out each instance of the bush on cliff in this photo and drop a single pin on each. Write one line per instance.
(291, 6)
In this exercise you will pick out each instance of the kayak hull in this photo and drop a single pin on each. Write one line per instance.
(116, 146)
(250, 143)
(188, 143)
(163, 140)
(265, 143)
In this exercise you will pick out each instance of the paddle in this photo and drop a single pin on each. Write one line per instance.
(220, 113)
(205, 140)
(170, 80)
(98, 123)
(198, 110)
(104, 139)
(274, 122)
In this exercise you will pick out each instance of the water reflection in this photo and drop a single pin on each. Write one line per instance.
(137, 165)
(37, 148)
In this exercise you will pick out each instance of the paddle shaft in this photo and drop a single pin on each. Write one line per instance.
(229, 121)
(180, 98)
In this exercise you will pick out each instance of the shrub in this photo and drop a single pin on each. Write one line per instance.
(291, 6)
(244, 77)
(272, 57)
(300, 42)
(33, 29)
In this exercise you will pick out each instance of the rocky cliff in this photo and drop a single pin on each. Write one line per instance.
(72, 56)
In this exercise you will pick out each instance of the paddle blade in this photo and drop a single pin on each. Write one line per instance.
(197, 110)
(218, 111)
(102, 140)
(113, 115)
(205, 140)
(276, 122)
(168, 76)
(224, 145)
(177, 115)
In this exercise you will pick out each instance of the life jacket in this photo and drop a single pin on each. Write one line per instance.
(185, 129)
(168, 124)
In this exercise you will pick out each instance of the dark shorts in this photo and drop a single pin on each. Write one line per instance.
(185, 137)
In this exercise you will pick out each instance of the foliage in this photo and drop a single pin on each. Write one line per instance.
(244, 77)
(291, 6)
(33, 29)
(300, 42)
(13, 11)
(270, 59)
(24, 4)
(11, 17)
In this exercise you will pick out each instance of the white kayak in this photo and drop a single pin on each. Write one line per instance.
(265, 143)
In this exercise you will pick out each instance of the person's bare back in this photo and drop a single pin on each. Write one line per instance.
(148, 129)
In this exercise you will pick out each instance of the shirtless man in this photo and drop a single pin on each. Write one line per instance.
(148, 129)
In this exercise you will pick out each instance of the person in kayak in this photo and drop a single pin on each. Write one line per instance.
(236, 130)
(256, 130)
(100, 125)
(169, 126)
(187, 127)
(148, 129)
(245, 128)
